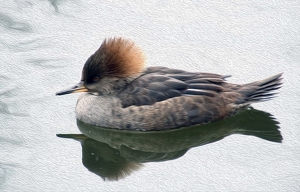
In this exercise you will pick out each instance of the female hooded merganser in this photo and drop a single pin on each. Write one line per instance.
(122, 94)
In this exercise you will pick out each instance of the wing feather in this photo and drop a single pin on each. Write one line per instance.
(161, 83)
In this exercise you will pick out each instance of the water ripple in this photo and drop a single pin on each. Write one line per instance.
(11, 24)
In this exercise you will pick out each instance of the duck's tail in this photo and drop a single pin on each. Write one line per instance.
(261, 90)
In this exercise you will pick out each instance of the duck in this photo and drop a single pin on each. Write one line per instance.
(119, 92)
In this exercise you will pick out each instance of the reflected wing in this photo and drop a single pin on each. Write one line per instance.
(161, 83)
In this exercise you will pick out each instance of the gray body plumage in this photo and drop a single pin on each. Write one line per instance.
(122, 94)
(162, 98)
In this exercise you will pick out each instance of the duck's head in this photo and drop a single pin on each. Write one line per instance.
(116, 63)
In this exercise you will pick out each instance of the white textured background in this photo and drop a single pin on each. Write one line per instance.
(44, 44)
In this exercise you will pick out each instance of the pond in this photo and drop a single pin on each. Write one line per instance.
(44, 45)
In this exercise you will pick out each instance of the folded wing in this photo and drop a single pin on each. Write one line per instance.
(161, 83)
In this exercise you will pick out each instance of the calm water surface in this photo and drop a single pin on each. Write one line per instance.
(44, 45)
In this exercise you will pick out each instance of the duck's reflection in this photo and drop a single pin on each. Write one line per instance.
(114, 154)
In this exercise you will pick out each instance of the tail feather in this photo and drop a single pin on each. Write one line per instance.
(261, 90)
(268, 89)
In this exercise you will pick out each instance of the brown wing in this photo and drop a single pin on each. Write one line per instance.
(161, 83)
(165, 98)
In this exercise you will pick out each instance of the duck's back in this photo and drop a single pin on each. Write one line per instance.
(161, 83)
(164, 98)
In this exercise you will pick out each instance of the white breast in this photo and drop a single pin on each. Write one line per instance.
(98, 110)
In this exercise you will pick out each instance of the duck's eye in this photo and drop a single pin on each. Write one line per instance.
(96, 78)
